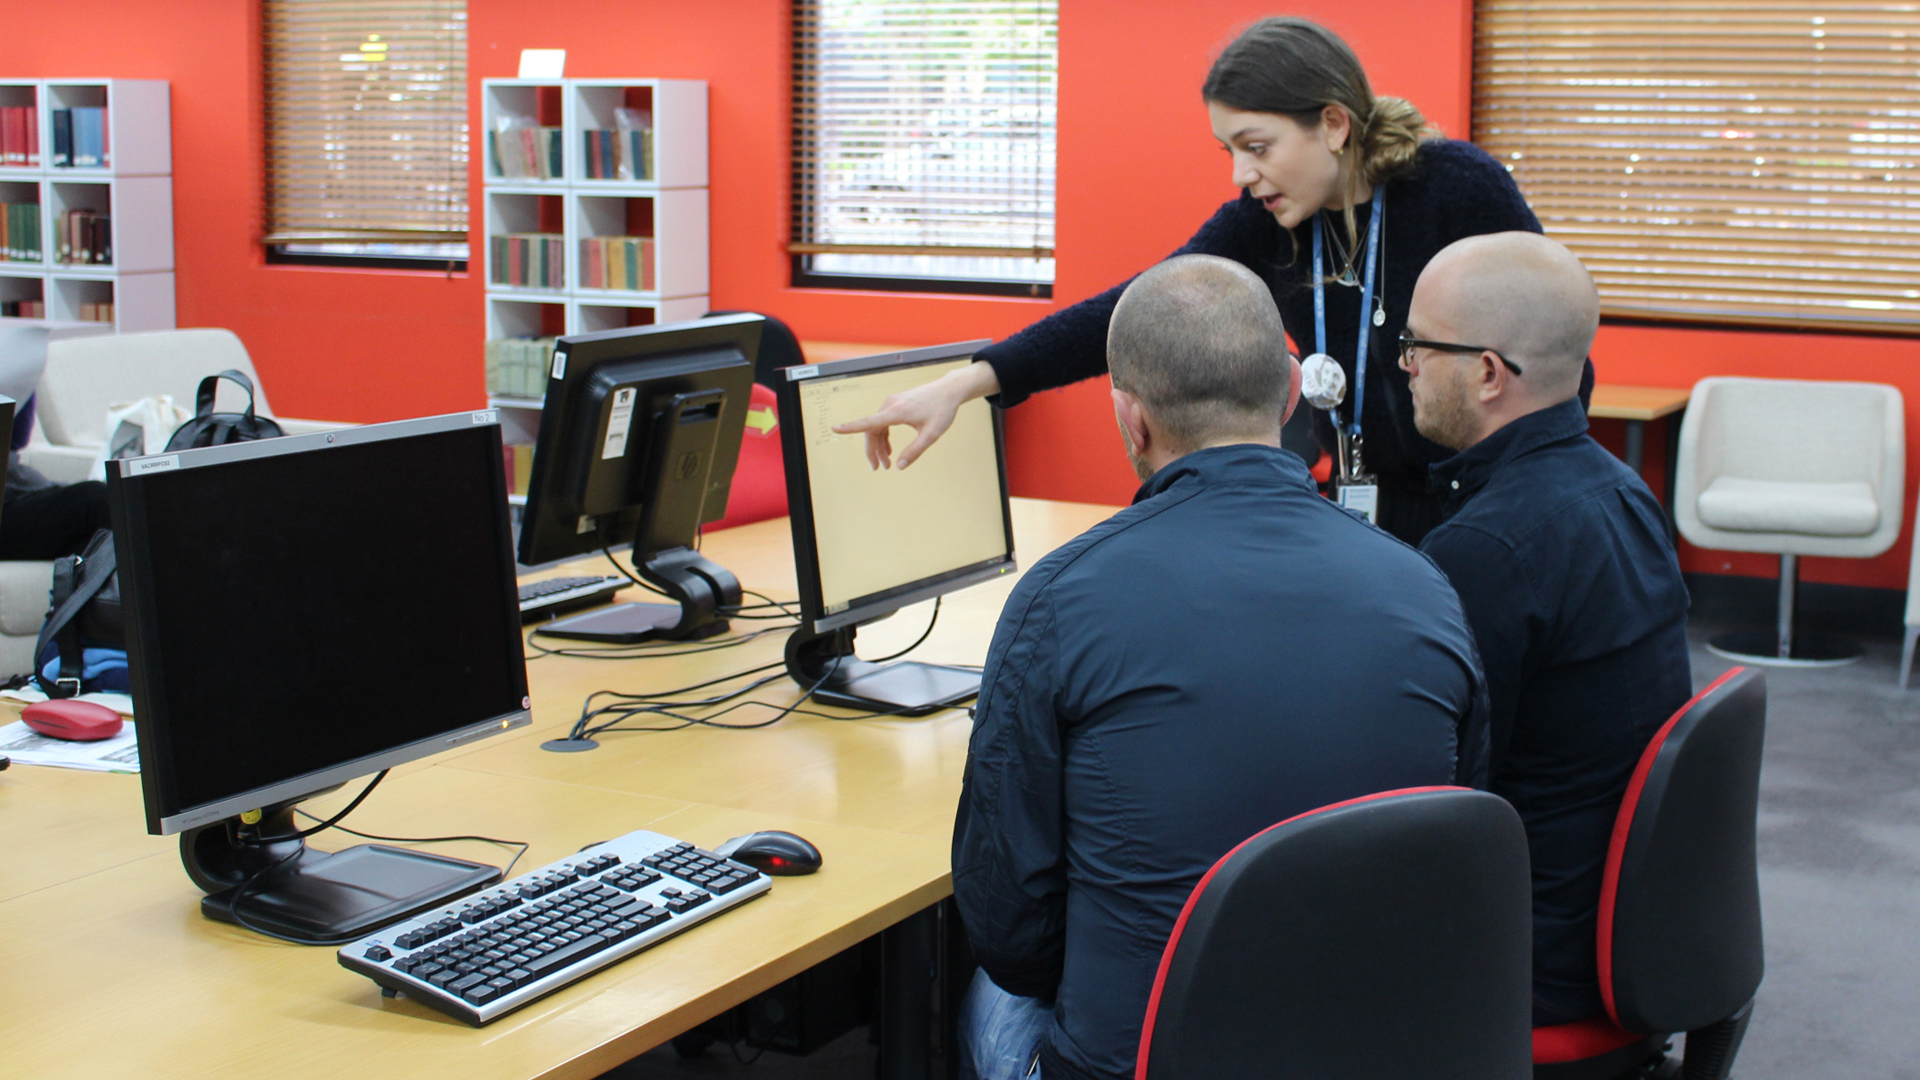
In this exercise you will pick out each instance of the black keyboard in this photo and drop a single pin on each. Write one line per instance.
(508, 945)
(539, 599)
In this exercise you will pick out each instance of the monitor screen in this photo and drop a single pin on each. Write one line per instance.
(883, 538)
(309, 609)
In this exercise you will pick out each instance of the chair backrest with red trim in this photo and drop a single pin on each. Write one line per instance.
(1679, 940)
(1387, 936)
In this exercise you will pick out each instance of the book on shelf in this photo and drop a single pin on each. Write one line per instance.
(20, 136)
(517, 366)
(20, 232)
(518, 458)
(623, 152)
(526, 152)
(86, 238)
(23, 309)
(617, 262)
(529, 260)
(97, 311)
(80, 138)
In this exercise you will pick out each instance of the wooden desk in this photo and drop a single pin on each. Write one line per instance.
(1637, 405)
(111, 971)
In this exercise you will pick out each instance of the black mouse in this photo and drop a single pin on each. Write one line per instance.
(772, 852)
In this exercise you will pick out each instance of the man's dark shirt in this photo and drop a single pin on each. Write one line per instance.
(1561, 559)
(1229, 651)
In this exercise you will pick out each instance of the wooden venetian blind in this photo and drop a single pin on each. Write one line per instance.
(924, 128)
(366, 121)
(1719, 160)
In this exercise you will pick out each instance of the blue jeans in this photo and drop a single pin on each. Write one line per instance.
(1000, 1033)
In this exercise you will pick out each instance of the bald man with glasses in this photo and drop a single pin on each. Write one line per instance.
(1560, 556)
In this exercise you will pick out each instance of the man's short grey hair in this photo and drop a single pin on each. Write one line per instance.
(1199, 341)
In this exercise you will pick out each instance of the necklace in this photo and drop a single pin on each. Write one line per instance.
(1347, 275)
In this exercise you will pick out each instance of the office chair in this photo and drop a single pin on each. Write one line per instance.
(1679, 938)
(1384, 937)
(1791, 467)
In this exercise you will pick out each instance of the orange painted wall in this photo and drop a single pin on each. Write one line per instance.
(1138, 172)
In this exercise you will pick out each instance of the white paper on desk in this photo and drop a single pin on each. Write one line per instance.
(118, 702)
(28, 747)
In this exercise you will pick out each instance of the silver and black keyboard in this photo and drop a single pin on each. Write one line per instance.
(507, 945)
(540, 599)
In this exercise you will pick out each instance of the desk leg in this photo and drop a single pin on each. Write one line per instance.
(1636, 445)
(1673, 472)
(907, 963)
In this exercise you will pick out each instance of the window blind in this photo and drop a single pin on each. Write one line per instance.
(366, 110)
(1745, 161)
(924, 137)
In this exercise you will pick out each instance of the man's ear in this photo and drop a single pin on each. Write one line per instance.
(1293, 389)
(1132, 418)
(1491, 378)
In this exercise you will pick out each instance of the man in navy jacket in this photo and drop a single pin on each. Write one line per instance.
(1227, 652)
(1561, 559)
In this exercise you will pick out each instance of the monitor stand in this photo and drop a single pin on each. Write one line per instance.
(315, 897)
(825, 661)
(702, 588)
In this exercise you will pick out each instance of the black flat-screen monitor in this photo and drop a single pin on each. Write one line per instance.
(868, 542)
(302, 611)
(639, 435)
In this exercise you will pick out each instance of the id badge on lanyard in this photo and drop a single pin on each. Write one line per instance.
(1353, 486)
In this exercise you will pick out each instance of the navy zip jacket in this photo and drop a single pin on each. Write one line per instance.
(1561, 559)
(1227, 652)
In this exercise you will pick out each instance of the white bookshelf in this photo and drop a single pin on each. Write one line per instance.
(134, 187)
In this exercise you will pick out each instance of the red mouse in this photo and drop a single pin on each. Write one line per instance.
(74, 721)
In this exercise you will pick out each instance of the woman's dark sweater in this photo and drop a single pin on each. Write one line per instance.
(1453, 190)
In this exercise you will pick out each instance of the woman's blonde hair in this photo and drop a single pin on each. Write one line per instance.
(1296, 68)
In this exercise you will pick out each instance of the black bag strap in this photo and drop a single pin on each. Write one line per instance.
(203, 401)
(93, 568)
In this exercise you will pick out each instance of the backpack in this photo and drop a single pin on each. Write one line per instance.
(85, 629)
(209, 428)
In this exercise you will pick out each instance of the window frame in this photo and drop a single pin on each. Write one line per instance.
(1728, 167)
(804, 229)
(452, 109)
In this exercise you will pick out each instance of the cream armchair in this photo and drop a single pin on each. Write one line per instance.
(86, 375)
(1792, 468)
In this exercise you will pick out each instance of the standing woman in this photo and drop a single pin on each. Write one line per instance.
(1328, 172)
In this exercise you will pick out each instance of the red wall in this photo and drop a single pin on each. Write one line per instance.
(1138, 171)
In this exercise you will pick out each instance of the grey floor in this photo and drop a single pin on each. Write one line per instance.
(1839, 877)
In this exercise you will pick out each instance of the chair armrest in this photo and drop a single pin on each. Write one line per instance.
(60, 464)
(308, 427)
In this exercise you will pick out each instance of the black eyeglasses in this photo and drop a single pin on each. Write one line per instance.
(1408, 344)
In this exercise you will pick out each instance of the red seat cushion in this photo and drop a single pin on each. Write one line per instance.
(1579, 1041)
(760, 481)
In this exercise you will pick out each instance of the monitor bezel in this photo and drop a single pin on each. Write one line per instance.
(806, 550)
(126, 502)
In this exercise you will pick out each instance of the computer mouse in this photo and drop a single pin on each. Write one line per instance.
(772, 852)
(74, 721)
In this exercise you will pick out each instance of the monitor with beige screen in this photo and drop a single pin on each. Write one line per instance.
(868, 542)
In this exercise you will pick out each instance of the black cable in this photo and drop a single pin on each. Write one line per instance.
(240, 892)
(523, 845)
(655, 703)
(921, 640)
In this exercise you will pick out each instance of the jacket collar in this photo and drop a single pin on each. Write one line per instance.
(1457, 478)
(1241, 462)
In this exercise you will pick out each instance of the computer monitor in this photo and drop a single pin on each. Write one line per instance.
(639, 436)
(868, 542)
(300, 612)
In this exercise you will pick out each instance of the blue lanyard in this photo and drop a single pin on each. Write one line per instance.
(1374, 229)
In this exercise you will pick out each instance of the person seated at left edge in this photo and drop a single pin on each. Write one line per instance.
(1561, 559)
(1229, 651)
